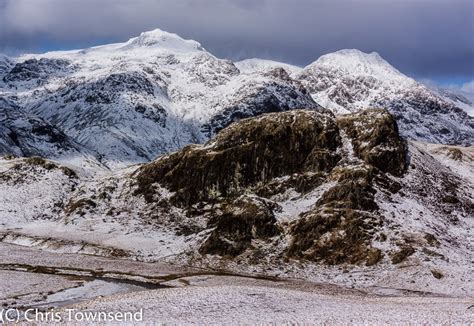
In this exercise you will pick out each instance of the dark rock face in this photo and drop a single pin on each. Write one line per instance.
(280, 95)
(5, 64)
(240, 171)
(300, 182)
(240, 221)
(340, 226)
(244, 154)
(27, 135)
(106, 90)
(36, 69)
(375, 138)
(428, 118)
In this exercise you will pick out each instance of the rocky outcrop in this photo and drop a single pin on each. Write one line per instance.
(340, 226)
(246, 166)
(38, 70)
(5, 64)
(245, 154)
(281, 190)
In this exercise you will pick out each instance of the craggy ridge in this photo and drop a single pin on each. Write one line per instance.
(240, 171)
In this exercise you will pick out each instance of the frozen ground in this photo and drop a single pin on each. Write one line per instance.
(19, 287)
(43, 279)
(236, 301)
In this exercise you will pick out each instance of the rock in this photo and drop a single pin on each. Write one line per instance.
(247, 164)
(375, 139)
(240, 221)
(340, 226)
(404, 252)
(245, 154)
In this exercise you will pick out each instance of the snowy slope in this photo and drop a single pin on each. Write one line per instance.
(263, 65)
(153, 94)
(24, 134)
(351, 80)
(463, 100)
(5, 64)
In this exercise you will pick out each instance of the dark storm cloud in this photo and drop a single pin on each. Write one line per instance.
(424, 38)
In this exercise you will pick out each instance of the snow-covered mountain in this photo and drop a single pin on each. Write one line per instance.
(128, 102)
(24, 134)
(156, 93)
(132, 101)
(350, 80)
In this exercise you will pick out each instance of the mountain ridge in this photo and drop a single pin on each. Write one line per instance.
(157, 92)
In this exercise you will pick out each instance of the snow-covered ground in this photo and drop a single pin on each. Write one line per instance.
(191, 296)
(238, 302)
(262, 65)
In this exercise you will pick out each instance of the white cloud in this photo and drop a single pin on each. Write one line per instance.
(468, 87)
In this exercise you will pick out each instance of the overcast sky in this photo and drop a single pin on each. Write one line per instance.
(426, 39)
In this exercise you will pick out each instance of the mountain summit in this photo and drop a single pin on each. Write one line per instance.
(132, 101)
(163, 40)
(356, 62)
(350, 80)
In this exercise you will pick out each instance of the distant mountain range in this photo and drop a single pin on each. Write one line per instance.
(126, 103)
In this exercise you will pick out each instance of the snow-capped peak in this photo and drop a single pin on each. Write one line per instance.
(351, 80)
(356, 62)
(161, 39)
